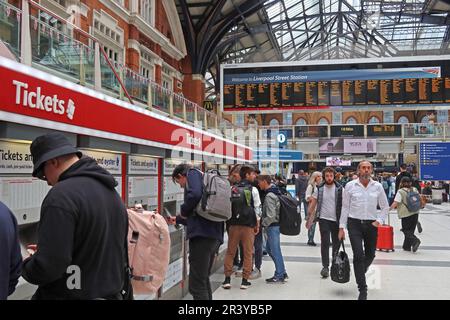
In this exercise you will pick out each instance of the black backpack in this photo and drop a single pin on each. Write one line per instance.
(242, 210)
(340, 268)
(290, 218)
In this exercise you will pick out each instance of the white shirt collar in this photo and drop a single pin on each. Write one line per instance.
(371, 182)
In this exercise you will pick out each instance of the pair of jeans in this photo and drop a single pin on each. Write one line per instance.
(274, 250)
(328, 228)
(363, 238)
(202, 252)
(258, 249)
(408, 227)
(246, 236)
(311, 230)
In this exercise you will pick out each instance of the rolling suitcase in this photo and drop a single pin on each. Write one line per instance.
(385, 240)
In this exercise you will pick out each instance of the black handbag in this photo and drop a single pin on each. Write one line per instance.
(340, 268)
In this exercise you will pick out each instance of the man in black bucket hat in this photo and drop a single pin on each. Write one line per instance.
(81, 242)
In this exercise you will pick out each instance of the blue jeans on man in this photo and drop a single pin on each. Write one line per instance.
(274, 250)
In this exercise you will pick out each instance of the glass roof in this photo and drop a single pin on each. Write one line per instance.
(331, 29)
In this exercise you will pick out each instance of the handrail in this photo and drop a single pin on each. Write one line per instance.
(84, 33)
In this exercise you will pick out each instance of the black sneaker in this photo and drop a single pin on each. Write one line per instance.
(419, 227)
(325, 273)
(362, 295)
(227, 283)
(274, 280)
(311, 243)
(416, 245)
(285, 276)
(245, 284)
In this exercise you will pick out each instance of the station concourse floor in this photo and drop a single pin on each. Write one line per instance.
(398, 275)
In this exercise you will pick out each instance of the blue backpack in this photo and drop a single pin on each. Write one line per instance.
(413, 201)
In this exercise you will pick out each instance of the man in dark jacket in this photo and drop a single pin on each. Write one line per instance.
(204, 236)
(300, 190)
(403, 173)
(10, 256)
(81, 242)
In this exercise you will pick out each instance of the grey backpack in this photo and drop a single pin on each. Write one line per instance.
(215, 204)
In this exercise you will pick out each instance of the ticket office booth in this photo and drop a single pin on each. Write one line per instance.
(22, 193)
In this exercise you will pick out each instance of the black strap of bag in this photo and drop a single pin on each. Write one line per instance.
(127, 289)
(343, 246)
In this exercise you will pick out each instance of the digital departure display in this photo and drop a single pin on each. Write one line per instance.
(348, 88)
(398, 91)
(373, 92)
(311, 94)
(360, 87)
(425, 84)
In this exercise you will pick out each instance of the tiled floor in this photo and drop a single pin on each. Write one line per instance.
(394, 275)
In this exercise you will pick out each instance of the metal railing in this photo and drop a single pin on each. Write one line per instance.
(62, 48)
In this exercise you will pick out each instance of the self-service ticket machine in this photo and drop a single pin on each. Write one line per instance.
(110, 161)
(173, 286)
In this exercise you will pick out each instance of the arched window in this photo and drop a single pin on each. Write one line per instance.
(274, 123)
(351, 120)
(323, 121)
(374, 120)
(403, 120)
(300, 122)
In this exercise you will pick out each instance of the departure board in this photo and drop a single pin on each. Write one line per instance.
(411, 91)
(263, 95)
(275, 95)
(335, 93)
(347, 92)
(360, 89)
(424, 90)
(228, 96)
(437, 90)
(309, 88)
(373, 92)
(385, 91)
(311, 93)
(398, 91)
(287, 91)
(252, 92)
(323, 93)
(241, 95)
(447, 89)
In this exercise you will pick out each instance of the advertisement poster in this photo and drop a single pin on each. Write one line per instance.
(360, 146)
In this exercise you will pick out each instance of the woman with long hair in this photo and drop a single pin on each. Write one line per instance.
(314, 181)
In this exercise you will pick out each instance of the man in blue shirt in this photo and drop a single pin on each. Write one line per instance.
(10, 256)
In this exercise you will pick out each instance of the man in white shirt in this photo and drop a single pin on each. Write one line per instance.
(361, 218)
(327, 198)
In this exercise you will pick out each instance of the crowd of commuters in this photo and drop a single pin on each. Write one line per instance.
(84, 223)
